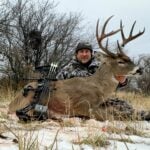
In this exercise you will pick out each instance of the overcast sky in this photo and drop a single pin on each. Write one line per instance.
(127, 10)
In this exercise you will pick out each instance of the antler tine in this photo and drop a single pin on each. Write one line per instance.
(122, 33)
(104, 27)
(130, 37)
(104, 35)
(120, 51)
(132, 28)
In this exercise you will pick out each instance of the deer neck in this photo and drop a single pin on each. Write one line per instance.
(105, 77)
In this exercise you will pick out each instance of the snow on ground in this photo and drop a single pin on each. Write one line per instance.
(67, 135)
(70, 132)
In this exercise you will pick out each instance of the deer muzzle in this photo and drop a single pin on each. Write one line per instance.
(136, 71)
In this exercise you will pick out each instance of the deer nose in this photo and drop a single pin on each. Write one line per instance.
(139, 71)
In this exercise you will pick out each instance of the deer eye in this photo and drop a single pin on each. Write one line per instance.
(121, 62)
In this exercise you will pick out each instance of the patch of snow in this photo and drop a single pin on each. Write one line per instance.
(51, 133)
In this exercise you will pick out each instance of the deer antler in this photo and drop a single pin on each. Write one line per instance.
(129, 38)
(104, 35)
(125, 40)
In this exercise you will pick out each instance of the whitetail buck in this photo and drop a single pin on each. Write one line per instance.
(88, 96)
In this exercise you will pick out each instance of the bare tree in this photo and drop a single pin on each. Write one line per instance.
(144, 80)
(35, 35)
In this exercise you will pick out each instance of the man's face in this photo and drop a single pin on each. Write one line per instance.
(84, 56)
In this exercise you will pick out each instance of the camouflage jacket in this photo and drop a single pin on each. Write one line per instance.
(76, 69)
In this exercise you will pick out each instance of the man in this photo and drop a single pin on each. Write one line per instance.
(83, 64)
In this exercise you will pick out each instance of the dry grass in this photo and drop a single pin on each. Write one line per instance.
(98, 140)
(134, 131)
(26, 140)
(137, 100)
(128, 130)
(7, 94)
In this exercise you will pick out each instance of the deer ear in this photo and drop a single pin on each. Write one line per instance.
(101, 56)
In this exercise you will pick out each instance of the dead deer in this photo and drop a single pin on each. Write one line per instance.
(86, 96)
